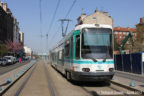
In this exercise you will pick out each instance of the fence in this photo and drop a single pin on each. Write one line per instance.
(133, 63)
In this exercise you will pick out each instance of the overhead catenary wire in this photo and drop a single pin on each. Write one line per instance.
(62, 25)
(41, 33)
(40, 17)
(55, 34)
(70, 9)
(53, 17)
(67, 20)
(52, 20)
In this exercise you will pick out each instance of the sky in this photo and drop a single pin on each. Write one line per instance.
(125, 13)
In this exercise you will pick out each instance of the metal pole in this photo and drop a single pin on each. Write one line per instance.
(47, 48)
(62, 23)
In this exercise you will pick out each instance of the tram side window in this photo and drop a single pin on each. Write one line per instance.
(52, 57)
(77, 46)
(111, 47)
(55, 59)
(60, 55)
(67, 47)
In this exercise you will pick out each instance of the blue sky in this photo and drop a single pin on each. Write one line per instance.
(126, 13)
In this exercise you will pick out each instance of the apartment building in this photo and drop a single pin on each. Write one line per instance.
(6, 26)
(121, 32)
(98, 17)
(21, 37)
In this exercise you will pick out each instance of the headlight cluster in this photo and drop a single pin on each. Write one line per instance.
(111, 69)
(86, 69)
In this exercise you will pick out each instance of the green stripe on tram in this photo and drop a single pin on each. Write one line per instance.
(92, 62)
(89, 62)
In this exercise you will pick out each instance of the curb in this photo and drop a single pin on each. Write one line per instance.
(22, 73)
(127, 87)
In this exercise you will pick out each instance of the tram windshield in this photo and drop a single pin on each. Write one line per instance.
(97, 43)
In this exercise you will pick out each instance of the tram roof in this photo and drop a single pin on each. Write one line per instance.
(79, 27)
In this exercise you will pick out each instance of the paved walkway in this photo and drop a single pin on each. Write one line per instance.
(126, 78)
(11, 76)
(37, 85)
(33, 83)
(8, 68)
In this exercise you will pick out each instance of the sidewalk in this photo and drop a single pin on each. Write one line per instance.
(125, 78)
(11, 75)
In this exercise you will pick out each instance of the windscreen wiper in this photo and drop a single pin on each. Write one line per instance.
(92, 58)
(104, 60)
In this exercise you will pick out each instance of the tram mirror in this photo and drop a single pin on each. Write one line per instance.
(97, 25)
(67, 42)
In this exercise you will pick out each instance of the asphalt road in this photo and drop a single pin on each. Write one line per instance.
(7, 68)
(43, 80)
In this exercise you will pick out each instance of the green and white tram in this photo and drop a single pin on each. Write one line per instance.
(85, 54)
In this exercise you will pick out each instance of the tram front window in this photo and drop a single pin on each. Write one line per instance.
(96, 43)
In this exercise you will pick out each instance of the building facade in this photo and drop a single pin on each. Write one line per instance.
(121, 32)
(140, 36)
(6, 26)
(98, 17)
(28, 51)
(21, 37)
(9, 26)
(16, 30)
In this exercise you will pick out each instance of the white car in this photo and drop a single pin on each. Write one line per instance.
(3, 61)
(10, 59)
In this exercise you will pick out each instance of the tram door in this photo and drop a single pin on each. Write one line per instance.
(67, 54)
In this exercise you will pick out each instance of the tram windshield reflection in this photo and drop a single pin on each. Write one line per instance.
(96, 43)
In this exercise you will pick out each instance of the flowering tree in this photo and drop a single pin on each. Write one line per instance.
(14, 46)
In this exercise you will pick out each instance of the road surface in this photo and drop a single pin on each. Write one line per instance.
(10, 67)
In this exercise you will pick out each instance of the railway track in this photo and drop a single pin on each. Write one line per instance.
(7, 88)
(106, 90)
(57, 85)
(49, 81)
(30, 76)
(31, 83)
(103, 88)
(24, 83)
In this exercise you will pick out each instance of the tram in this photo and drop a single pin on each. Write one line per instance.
(85, 54)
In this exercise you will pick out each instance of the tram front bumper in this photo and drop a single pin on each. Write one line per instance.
(92, 76)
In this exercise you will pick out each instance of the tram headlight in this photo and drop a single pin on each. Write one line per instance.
(111, 69)
(97, 25)
(86, 69)
(73, 68)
